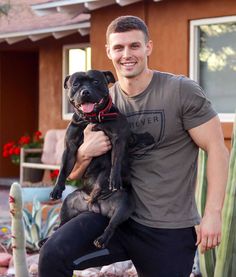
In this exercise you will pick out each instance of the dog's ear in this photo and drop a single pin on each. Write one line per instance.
(109, 77)
(65, 82)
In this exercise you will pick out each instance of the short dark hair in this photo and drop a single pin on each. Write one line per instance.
(127, 23)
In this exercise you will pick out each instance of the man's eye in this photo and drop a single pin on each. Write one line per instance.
(118, 48)
(135, 46)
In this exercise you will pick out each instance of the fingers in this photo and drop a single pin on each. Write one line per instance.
(197, 228)
(216, 240)
(204, 246)
(88, 129)
(103, 144)
(209, 231)
(206, 241)
(209, 242)
(95, 143)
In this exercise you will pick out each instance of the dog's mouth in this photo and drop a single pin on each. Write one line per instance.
(87, 107)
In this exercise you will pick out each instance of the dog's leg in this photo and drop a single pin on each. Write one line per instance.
(68, 162)
(101, 182)
(117, 156)
(118, 135)
(73, 205)
(94, 193)
(122, 212)
(73, 139)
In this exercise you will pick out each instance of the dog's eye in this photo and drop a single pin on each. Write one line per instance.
(95, 82)
(75, 84)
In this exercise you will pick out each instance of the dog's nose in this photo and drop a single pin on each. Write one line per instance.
(85, 92)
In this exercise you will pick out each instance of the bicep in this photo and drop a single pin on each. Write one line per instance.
(208, 134)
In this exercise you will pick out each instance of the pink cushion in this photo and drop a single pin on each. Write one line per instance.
(53, 146)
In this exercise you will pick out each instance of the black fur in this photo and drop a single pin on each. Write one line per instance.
(107, 179)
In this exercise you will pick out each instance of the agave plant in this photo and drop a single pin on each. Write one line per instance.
(37, 228)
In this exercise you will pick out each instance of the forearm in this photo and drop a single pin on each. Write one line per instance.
(80, 166)
(217, 172)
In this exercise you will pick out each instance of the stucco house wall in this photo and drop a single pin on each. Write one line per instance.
(168, 22)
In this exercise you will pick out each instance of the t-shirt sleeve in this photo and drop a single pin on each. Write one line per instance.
(196, 108)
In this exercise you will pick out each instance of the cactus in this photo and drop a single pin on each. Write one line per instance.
(18, 232)
(226, 260)
(220, 262)
(208, 260)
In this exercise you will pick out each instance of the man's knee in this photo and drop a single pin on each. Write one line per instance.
(48, 253)
(52, 260)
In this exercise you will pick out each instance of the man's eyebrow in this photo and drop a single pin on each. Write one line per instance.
(121, 45)
(117, 46)
(135, 42)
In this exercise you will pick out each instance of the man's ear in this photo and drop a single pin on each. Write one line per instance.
(108, 51)
(109, 77)
(65, 82)
(149, 47)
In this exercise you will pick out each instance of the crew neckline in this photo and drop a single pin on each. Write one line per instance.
(143, 93)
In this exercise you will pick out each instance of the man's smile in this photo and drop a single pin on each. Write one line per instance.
(128, 64)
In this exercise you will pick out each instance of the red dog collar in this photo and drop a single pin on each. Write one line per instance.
(103, 115)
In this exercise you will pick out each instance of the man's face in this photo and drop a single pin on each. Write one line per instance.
(128, 52)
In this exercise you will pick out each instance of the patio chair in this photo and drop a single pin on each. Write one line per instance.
(51, 153)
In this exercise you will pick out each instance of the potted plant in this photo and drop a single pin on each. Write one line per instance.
(12, 150)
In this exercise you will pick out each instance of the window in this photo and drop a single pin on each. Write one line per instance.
(75, 58)
(213, 62)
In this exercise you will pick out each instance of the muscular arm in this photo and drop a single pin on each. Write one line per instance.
(95, 144)
(209, 137)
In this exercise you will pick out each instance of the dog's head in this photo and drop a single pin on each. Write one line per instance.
(88, 91)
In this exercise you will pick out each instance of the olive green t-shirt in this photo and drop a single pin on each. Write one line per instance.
(163, 156)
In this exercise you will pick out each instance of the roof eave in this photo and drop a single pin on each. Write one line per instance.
(57, 32)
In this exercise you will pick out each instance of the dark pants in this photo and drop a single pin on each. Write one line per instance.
(155, 252)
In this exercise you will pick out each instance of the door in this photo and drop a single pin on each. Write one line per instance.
(19, 100)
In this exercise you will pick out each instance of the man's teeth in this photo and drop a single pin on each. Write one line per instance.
(128, 64)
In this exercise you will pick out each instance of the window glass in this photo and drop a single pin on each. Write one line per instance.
(213, 61)
(217, 64)
(75, 58)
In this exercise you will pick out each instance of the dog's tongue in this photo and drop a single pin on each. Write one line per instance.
(87, 107)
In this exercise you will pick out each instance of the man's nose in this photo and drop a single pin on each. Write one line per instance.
(126, 52)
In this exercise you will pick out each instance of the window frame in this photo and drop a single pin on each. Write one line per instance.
(194, 50)
(65, 114)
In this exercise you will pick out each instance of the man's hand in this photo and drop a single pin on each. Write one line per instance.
(95, 144)
(209, 231)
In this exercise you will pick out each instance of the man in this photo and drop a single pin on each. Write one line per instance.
(171, 118)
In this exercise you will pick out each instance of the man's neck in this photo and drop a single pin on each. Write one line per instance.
(136, 85)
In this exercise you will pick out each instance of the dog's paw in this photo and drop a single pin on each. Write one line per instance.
(99, 242)
(115, 184)
(56, 193)
(115, 180)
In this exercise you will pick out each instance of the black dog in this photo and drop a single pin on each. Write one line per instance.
(107, 179)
